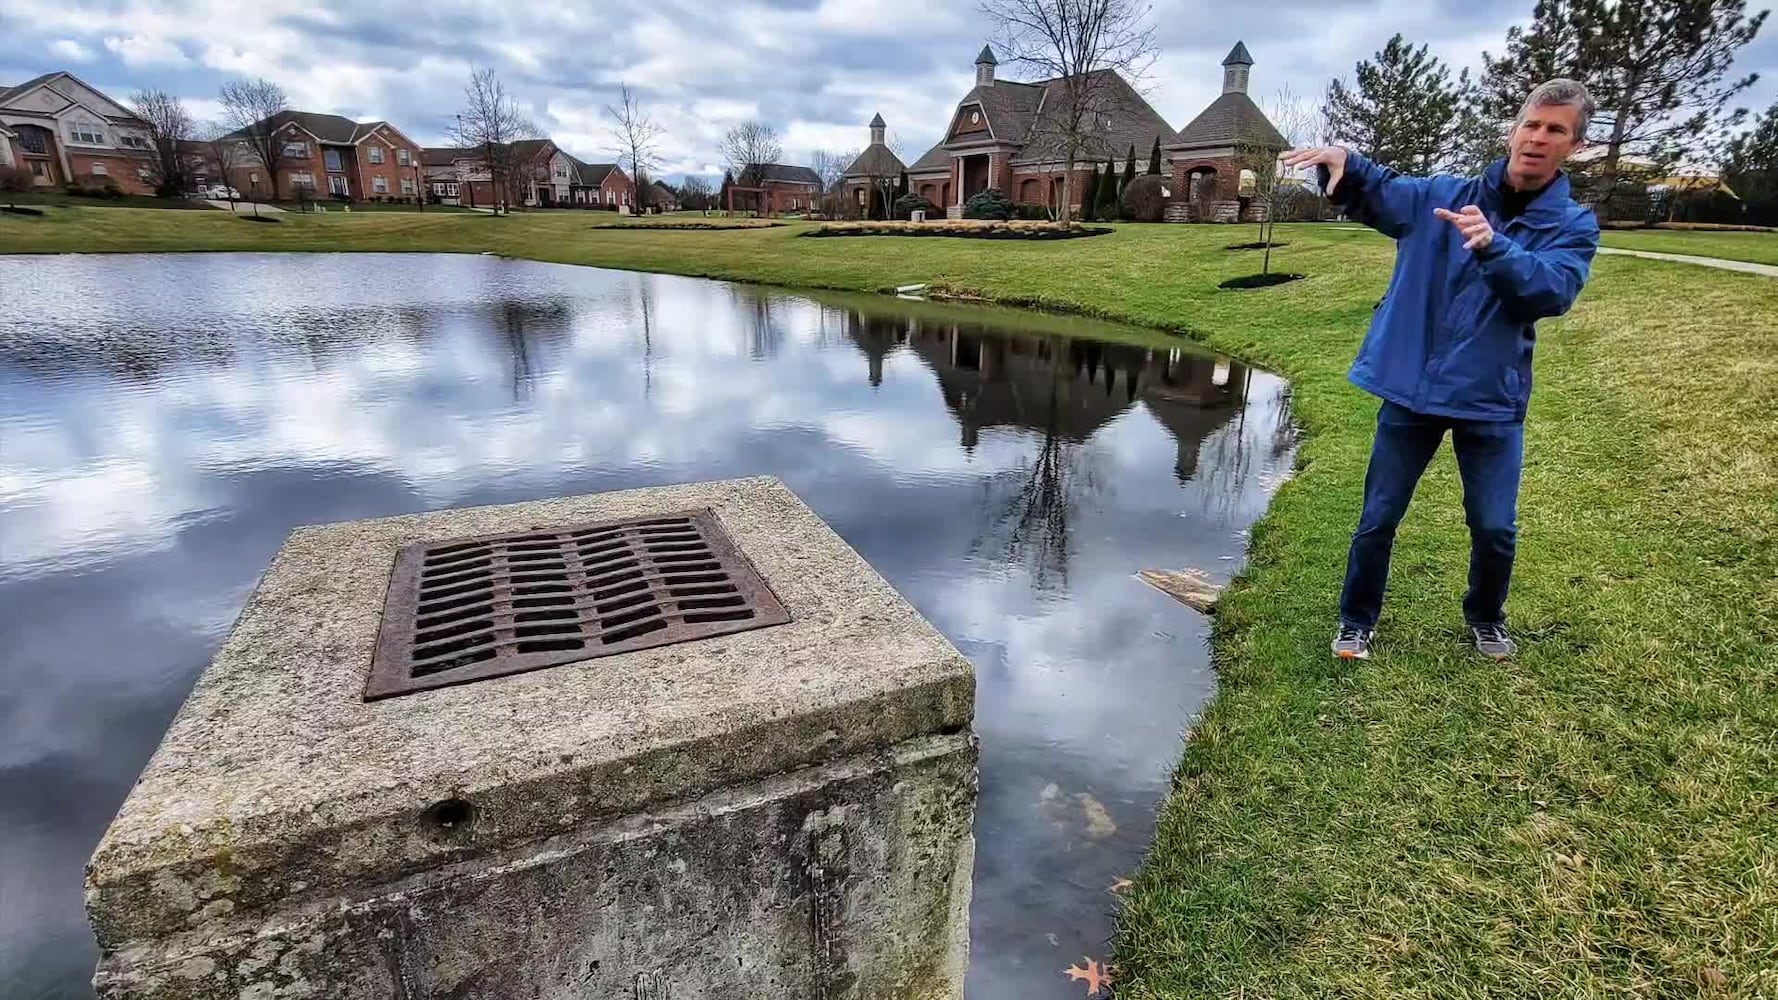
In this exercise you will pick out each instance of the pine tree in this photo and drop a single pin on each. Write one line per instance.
(1403, 110)
(1108, 191)
(1750, 167)
(1154, 158)
(1089, 199)
(1658, 70)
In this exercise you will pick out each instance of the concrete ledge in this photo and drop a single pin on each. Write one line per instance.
(277, 784)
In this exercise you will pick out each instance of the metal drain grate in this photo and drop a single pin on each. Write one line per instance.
(472, 608)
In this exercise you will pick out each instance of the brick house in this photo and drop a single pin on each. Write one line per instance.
(331, 157)
(602, 184)
(1209, 181)
(1004, 134)
(773, 188)
(662, 197)
(65, 132)
(873, 170)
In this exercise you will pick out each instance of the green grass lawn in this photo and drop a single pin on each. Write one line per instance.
(1598, 818)
(39, 199)
(1760, 248)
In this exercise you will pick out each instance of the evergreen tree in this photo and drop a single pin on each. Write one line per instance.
(1154, 158)
(1089, 199)
(1750, 167)
(1129, 172)
(1403, 110)
(1108, 191)
(1658, 70)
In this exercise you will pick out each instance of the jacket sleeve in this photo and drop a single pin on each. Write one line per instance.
(1536, 284)
(1377, 196)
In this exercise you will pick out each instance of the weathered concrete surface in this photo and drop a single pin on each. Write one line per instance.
(277, 788)
(845, 880)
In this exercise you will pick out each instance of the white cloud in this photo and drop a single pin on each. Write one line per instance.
(71, 50)
(146, 50)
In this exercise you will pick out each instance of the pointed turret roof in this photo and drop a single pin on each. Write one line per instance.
(987, 56)
(1238, 56)
(877, 121)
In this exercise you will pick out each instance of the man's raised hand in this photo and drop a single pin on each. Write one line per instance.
(1331, 157)
(1471, 223)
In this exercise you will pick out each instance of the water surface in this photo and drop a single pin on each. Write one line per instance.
(166, 420)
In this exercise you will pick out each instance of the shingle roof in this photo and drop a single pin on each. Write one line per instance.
(877, 160)
(442, 156)
(876, 121)
(528, 149)
(334, 130)
(8, 93)
(783, 173)
(1231, 119)
(1009, 105)
(986, 56)
(1132, 121)
(934, 159)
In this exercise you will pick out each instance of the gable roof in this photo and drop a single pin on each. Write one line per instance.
(660, 187)
(589, 174)
(8, 93)
(877, 160)
(443, 156)
(1230, 120)
(782, 173)
(11, 93)
(530, 149)
(1008, 105)
(1132, 121)
(331, 130)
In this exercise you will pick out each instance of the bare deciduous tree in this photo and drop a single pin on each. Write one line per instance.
(636, 136)
(169, 126)
(1081, 44)
(695, 193)
(748, 146)
(1296, 120)
(248, 107)
(227, 154)
(490, 123)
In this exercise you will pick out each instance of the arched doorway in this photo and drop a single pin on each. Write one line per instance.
(944, 195)
(1030, 191)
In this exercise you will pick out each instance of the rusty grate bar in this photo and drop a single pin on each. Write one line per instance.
(467, 609)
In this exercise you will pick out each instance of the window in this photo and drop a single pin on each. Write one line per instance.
(451, 189)
(303, 180)
(438, 189)
(380, 185)
(407, 186)
(297, 150)
(100, 170)
(331, 159)
(132, 141)
(376, 154)
(86, 132)
(31, 140)
(37, 169)
(401, 157)
(253, 178)
(610, 197)
(144, 174)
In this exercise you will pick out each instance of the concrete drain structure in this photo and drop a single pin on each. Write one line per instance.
(732, 787)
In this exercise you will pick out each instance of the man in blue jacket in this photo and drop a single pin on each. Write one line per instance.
(1478, 261)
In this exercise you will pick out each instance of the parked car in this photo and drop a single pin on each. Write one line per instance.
(220, 192)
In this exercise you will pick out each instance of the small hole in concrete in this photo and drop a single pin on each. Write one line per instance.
(450, 815)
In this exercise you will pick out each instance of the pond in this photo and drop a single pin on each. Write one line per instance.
(166, 420)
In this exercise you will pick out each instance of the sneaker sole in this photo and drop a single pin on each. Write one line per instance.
(1346, 654)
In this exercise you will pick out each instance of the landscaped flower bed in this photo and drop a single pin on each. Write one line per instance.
(692, 224)
(964, 229)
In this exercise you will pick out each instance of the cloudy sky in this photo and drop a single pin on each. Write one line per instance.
(815, 69)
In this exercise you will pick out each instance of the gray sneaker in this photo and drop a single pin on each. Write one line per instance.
(1353, 643)
(1493, 641)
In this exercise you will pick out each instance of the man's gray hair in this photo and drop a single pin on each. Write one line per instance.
(1562, 92)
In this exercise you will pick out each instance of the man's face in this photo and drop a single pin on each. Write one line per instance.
(1540, 143)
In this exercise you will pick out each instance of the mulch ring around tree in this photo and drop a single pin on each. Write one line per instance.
(966, 231)
(686, 225)
(1259, 280)
(1253, 246)
(258, 218)
(20, 210)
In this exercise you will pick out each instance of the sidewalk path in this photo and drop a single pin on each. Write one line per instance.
(1767, 270)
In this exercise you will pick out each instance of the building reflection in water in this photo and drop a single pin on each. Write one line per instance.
(1064, 390)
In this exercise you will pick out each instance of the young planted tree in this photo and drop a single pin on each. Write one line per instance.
(1076, 43)
(170, 126)
(1273, 187)
(227, 153)
(831, 168)
(745, 149)
(490, 123)
(637, 138)
(248, 107)
(1402, 112)
(1658, 70)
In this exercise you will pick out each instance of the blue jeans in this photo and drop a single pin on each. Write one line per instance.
(1490, 456)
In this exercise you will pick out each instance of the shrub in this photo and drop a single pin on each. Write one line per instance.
(989, 204)
(906, 205)
(1026, 210)
(1142, 199)
(94, 186)
(15, 180)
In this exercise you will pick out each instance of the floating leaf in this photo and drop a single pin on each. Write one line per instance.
(1093, 975)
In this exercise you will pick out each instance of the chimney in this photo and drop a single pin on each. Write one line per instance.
(1234, 70)
(984, 67)
(877, 125)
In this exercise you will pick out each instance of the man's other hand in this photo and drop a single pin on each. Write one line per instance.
(1331, 157)
(1471, 223)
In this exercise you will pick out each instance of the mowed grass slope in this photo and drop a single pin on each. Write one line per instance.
(1598, 818)
(1759, 248)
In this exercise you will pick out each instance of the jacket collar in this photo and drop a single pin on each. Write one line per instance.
(1545, 210)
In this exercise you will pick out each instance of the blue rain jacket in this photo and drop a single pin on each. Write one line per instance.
(1453, 336)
